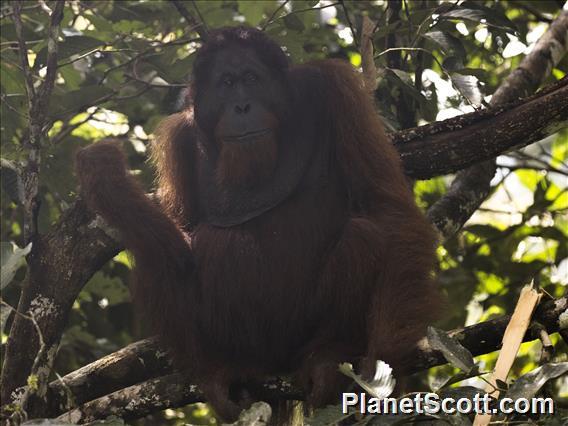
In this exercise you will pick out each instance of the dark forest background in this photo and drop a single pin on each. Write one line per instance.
(120, 68)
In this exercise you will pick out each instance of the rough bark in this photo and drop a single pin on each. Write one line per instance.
(64, 259)
(174, 391)
(486, 337)
(472, 186)
(164, 392)
(38, 359)
(134, 363)
(60, 264)
(481, 136)
(138, 400)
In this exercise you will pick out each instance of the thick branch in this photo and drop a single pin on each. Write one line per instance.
(17, 367)
(173, 390)
(138, 400)
(164, 392)
(38, 100)
(460, 142)
(77, 247)
(64, 260)
(472, 186)
(134, 363)
(485, 337)
(60, 256)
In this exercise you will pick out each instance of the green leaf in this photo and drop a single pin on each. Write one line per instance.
(12, 258)
(303, 4)
(72, 45)
(468, 87)
(12, 180)
(111, 288)
(452, 63)
(403, 80)
(180, 69)
(11, 79)
(474, 11)
(449, 44)
(128, 26)
(71, 76)
(293, 22)
(528, 178)
(481, 74)
(216, 15)
(58, 176)
(456, 378)
(330, 415)
(253, 11)
(543, 6)
(559, 150)
(463, 13)
(452, 350)
(103, 27)
(484, 231)
(528, 385)
(467, 392)
(77, 100)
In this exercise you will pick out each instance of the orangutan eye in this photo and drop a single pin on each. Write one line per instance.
(227, 81)
(250, 77)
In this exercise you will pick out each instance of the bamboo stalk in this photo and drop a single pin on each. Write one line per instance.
(512, 340)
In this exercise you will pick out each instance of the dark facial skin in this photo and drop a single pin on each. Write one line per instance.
(242, 100)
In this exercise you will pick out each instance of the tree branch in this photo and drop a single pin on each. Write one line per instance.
(174, 390)
(38, 100)
(194, 23)
(80, 244)
(472, 186)
(368, 66)
(454, 144)
(134, 363)
(138, 400)
(63, 261)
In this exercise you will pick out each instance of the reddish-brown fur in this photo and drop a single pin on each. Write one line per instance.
(244, 164)
(332, 274)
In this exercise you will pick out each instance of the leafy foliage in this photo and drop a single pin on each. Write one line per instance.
(122, 66)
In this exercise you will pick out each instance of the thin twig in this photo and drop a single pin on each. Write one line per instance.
(271, 19)
(526, 156)
(144, 53)
(51, 61)
(195, 24)
(11, 108)
(154, 85)
(23, 51)
(308, 9)
(546, 168)
(10, 11)
(200, 16)
(348, 19)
